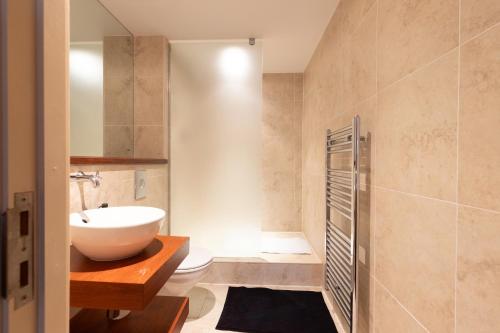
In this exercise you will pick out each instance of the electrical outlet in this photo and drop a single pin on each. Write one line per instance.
(140, 184)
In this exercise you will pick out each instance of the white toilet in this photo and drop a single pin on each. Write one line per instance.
(189, 272)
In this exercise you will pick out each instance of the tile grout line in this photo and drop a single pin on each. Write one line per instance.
(427, 64)
(302, 113)
(346, 110)
(342, 43)
(294, 111)
(419, 69)
(360, 23)
(412, 194)
(481, 33)
(491, 211)
(457, 164)
(401, 305)
(416, 195)
(375, 173)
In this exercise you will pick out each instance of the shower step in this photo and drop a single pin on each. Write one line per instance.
(257, 271)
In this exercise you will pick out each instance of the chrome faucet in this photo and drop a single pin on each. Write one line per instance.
(95, 179)
(84, 217)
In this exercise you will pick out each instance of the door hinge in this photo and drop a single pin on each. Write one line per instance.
(17, 252)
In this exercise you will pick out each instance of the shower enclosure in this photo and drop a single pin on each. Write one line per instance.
(215, 145)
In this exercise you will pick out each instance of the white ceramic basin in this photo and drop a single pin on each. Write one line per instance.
(115, 233)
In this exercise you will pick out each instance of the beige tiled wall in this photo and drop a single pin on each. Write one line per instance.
(150, 97)
(281, 132)
(117, 188)
(423, 75)
(118, 96)
(136, 96)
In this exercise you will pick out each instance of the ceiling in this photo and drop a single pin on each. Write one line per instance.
(289, 29)
(103, 23)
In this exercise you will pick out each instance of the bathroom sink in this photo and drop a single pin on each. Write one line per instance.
(114, 233)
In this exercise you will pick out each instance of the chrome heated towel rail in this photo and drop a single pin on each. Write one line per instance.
(342, 183)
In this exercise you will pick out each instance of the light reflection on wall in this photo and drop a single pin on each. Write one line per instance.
(86, 102)
(85, 63)
(215, 135)
(234, 63)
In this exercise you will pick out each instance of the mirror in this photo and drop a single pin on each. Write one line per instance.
(101, 82)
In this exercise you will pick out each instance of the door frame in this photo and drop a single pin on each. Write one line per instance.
(39, 239)
(3, 152)
(51, 158)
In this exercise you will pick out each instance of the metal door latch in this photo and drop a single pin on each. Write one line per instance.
(18, 252)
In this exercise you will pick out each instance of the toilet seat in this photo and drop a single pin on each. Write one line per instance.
(197, 259)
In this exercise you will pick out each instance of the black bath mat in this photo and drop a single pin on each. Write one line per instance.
(262, 310)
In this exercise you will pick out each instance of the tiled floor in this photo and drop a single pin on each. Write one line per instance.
(207, 302)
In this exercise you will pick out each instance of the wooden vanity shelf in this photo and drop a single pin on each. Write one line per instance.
(100, 160)
(129, 284)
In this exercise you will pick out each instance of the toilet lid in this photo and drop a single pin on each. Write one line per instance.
(197, 257)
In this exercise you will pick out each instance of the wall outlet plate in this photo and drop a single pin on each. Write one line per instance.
(140, 184)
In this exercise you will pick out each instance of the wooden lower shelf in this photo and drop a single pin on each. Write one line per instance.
(165, 314)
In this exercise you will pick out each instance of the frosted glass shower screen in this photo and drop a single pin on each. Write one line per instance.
(215, 145)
